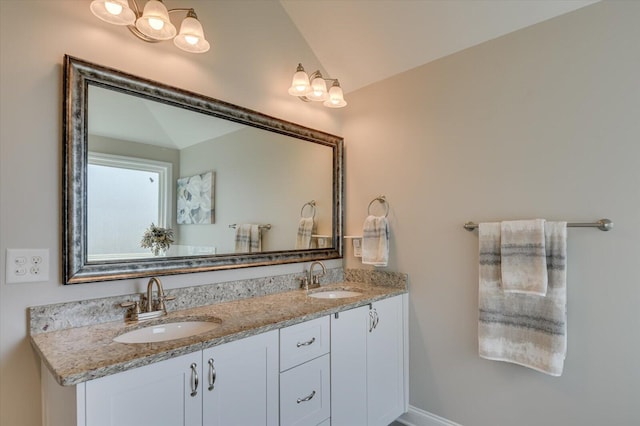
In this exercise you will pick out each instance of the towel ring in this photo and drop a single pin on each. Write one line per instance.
(382, 200)
(311, 204)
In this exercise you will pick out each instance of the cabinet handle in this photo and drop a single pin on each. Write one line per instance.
(306, 398)
(194, 379)
(371, 321)
(376, 318)
(212, 374)
(307, 343)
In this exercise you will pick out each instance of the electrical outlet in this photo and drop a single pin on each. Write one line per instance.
(27, 265)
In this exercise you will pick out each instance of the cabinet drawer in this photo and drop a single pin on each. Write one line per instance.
(303, 342)
(305, 393)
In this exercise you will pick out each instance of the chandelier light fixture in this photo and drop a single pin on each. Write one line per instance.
(314, 88)
(152, 24)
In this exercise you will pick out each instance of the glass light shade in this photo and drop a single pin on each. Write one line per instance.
(155, 23)
(336, 97)
(191, 37)
(318, 90)
(300, 84)
(115, 12)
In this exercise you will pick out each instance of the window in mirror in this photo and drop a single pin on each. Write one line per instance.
(125, 196)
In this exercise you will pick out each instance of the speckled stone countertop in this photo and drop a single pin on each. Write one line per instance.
(78, 354)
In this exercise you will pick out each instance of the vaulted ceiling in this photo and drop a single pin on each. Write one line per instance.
(361, 42)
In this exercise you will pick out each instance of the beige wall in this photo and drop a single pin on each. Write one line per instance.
(544, 122)
(265, 183)
(255, 49)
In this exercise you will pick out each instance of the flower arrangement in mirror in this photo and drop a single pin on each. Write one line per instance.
(157, 239)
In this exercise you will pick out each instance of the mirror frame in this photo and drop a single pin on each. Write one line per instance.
(78, 75)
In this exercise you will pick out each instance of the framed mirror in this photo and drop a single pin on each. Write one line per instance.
(158, 181)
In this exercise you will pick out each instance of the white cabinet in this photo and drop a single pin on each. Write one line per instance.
(241, 382)
(305, 391)
(349, 370)
(231, 384)
(368, 365)
(160, 393)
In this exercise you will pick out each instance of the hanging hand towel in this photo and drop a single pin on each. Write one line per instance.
(524, 263)
(305, 230)
(524, 329)
(256, 239)
(243, 238)
(375, 241)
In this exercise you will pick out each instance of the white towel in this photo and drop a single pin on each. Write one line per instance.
(524, 263)
(305, 230)
(256, 239)
(524, 329)
(375, 241)
(248, 238)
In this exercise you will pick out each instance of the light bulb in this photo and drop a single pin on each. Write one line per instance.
(113, 8)
(156, 23)
(318, 89)
(336, 97)
(115, 12)
(192, 40)
(191, 37)
(299, 83)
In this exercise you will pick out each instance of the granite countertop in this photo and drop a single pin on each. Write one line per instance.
(76, 355)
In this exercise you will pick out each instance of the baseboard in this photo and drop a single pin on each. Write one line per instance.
(418, 417)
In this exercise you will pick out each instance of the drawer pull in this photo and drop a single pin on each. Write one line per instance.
(307, 398)
(307, 343)
(194, 380)
(212, 374)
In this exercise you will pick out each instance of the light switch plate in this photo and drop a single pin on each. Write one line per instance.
(357, 247)
(27, 265)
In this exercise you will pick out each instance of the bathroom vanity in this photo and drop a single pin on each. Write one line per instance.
(261, 351)
(288, 358)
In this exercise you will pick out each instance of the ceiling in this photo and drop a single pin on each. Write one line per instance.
(361, 42)
(136, 119)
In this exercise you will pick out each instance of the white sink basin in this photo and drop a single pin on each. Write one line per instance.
(334, 294)
(164, 332)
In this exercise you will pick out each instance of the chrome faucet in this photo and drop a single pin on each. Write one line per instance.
(160, 306)
(147, 309)
(315, 279)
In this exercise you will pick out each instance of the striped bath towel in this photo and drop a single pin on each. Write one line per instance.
(375, 241)
(522, 251)
(305, 230)
(248, 238)
(525, 329)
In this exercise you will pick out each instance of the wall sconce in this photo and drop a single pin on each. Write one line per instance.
(153, 24)
(314, 88)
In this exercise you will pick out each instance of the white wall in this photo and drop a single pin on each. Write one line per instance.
(255, 49)
(544, 122)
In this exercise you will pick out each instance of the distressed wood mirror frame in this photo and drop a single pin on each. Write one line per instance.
(78, 75)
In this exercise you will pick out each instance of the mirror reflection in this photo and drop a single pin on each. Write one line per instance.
(206, 180)
(158, 180)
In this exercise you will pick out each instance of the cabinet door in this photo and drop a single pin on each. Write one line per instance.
(240, 383)
(156, 394)
(385, 362)
(349, 367)
(305, 393)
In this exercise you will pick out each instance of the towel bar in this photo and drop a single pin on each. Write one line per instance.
(602, 224)
(311, 204)
(267, 226)
(382, 199)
